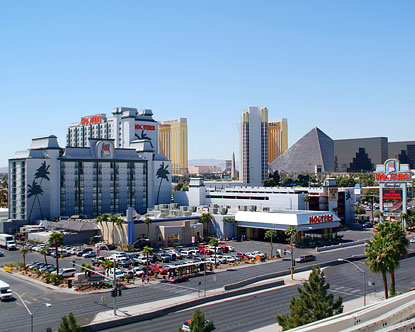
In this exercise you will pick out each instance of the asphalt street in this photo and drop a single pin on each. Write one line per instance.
(255, 311)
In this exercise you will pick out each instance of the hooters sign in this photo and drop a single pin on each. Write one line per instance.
(91, 119)
(320, 219)
(392, 171)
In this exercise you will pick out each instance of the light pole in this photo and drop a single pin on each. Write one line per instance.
(364, 277)
(32, 313)
(292, 248)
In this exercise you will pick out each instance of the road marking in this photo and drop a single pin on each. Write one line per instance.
(23, 294)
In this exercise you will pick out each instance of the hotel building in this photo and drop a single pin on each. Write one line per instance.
(172, 140)
(94, 177)
(253, 146)
(277, 138)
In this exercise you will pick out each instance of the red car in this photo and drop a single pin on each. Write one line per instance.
(158, 268)
(241, 254)
(224, 249)
(179, 279)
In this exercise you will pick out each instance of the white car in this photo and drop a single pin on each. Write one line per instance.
(230, 259)
(231, 248)
(257, 253)
(412, 240)
(118, 274)
(66, 273)
(137, 271)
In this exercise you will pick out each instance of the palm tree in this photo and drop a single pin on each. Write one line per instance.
(381, 257)
(85, 267)
(400, 244)
(291, 231)
(205, 218)
(107, 264)
(270, 234)
(113, 220)
(148, 221)
(56, 240)
(44, 250)
(214, 242)
(307, 201)
(24, 251)
(42, 172)
(147, 251)
(404, 217)
(161, 174)
(233, 221)
(119, 222)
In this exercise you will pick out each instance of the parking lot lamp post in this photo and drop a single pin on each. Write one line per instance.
(114, 287)
(32, 313)
(364, 277)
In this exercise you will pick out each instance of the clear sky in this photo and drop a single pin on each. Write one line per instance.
(346, 67)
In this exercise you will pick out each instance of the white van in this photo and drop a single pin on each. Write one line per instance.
(5, 291)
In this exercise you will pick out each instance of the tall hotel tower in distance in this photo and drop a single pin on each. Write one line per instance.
(277, 138)
(253, 146)
(173, 143)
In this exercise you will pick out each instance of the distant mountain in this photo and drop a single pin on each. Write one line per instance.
(4, 169)
(209, 162)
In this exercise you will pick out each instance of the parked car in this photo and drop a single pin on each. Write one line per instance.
(89, 254)
(231, 248)
(367, 225)
(186, 254)
(84, 251)
(158, 268)
(178, 279)
(186, 325)
(138, 272)
(241, 254)
(305, 258)
(1, 253)
(118, 274)
(66, 273)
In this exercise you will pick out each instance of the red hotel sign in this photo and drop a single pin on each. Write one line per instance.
(144, 127)
(393, 177)
(320, 219)
(91, 119)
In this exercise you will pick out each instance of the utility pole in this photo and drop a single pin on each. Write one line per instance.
(114, 287)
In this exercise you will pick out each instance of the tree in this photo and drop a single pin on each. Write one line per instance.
(148, 221)
(307, 201)
(161, 174)
(313, 304)
(198, 323)
(107, 264)
(56, 241)
(270, 234)
(206, 218)
(101, 219)
(400, 245)
(381, 257)
(147, 251)
(69, 324)
(214, 242)
(233, 221)
(404, 217)
(85, 267)
(44, 250)
(24, 251)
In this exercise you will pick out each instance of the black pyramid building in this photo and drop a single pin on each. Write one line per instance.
(314, 149)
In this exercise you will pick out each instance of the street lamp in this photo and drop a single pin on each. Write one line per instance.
(364, 277)
(32, 313)
(292, 248)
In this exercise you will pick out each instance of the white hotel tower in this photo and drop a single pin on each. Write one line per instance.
(253, 146)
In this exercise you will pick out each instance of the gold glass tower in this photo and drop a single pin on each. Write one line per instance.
(173, 143)
(277, 138)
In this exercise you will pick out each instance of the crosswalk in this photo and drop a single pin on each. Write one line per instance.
(345, 290)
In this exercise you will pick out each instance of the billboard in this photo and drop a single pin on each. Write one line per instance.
(392, 201)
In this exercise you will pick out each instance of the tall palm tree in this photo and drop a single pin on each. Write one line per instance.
(42, 172)
(214, 242)
(291, 231)
(233, 221)
(307, 201)
(24, 251)
(404, 217)
(205, 218)
(161, 174)
(148, 221)
(270, 234)
(399, 242)
(147, 251)
(44, 250)
(119, 222)
(381, 257)
(113, 219)
(56, 241)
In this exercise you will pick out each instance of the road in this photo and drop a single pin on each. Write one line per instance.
(255, 311)
(84, 306)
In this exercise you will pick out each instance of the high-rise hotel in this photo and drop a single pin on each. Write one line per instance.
(107, 166)
(172, 142)
(253, 146)
(277, 138)
(260, 142)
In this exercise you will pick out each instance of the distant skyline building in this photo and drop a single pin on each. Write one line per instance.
(233, 169)
(253, 146)
(172, 140)
(277, 138)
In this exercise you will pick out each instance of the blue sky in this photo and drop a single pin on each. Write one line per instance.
(346, 67)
